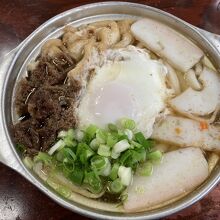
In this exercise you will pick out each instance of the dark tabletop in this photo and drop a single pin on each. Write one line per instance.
(19, 199)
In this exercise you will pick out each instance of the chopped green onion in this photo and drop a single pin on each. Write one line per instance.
(143, 141)
(150, 143)
(127, 123)
(68, 153)
(94, 157)
(69, 142)
(28, 162)
(115, 155)
(112, 127)
(114, 172)
(62, 134)
(57, 146)
(84, 152)
(125, 156)
(101, 136)
(135, 157)
(90, 132)
(52, 183)
(129, 134)
(94, 144)
(138, 156)
(44, 157)
(120, 147)
(142, 153)
(122, 136)
(125, 175)
(79, 135)
(104, 150)
(21, 148)
(101, 164)
(76, 176)
(93, 182)
(140, 138)
(116, 186)
(124, 197)
(107, 170)
(62, 190)
(67, 134)
(111, 140)
(145, 169)
(68, 165)
(71, 133)
(98, 162)
(136, 144)
(59, 156)
(155, 156)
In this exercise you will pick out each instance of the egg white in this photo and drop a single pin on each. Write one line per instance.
(128, 84)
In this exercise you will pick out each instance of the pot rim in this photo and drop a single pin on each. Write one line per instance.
(82, 209)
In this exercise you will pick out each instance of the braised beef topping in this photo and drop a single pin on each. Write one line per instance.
(45, 104)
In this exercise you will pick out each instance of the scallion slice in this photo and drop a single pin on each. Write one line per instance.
(116, 186)
(77, 175)
(101, 136)
(148, 144)
(145, 169)
(79, 135)
(71, 133)
(64, 191)
(115, 155)
(94, 144)
(62, 134)
(84, 152)
(120, 147)
(104, 150)
(114, 172)
(136, 144)
(112, 127)
(155, 156)
(68, 153)
(69, 142)
(57, 146)
(90, 132)
(44, 157)
(125, 156)
(93, 182)
(111, 140)
(107, 170)
(68, 165)
(125, 175)
(28, 162)
(59, 156)
(101, 165)
(127, 123)
(129, 134)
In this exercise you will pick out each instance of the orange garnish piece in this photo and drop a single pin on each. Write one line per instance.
(177, 130)
(203, 125)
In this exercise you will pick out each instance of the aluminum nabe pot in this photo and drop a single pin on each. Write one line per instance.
(14, 66)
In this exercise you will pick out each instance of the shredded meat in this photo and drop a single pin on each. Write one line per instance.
(46, 105)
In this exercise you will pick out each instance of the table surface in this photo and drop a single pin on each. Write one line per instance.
(19, 199)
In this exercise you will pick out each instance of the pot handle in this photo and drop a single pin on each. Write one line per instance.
(7, 156)
(213, 38)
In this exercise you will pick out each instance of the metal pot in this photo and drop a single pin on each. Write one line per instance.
(14, 66)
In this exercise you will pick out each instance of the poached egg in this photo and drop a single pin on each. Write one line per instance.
(128, 84)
